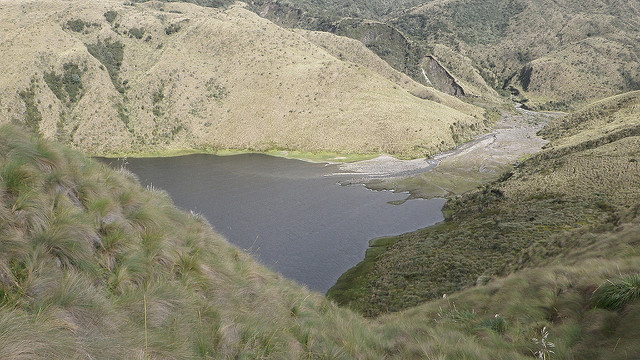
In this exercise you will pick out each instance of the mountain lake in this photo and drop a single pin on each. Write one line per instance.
(292, 216)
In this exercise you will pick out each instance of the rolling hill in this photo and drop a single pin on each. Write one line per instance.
(551, 55)
(150, 77)
(554, 55)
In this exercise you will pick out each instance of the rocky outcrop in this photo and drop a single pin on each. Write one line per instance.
(387, 42)
(440, 78)
(383, 39)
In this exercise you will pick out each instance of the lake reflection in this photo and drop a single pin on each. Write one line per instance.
(291, 215)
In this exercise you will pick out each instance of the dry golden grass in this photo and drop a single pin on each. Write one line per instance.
(204, 78)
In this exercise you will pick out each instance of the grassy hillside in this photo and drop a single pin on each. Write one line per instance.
(94, 266)
(570, 298)
(555, 54)
(583, 186)
(552, 55)
(356, 52)
(111, 78)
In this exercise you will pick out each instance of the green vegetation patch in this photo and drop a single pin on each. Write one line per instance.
(110, 16)
(110, 54)
(72, 80)
(55, 84)
(137, 33)
(352, 285)
(482, 22)
(33, 116)
(123, 114)
(68, 86)
(76, 25)
(157, 98)
(321, 156)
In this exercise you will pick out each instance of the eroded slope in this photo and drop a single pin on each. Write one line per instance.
(554, 54)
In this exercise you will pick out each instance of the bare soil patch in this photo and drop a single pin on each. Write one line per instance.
(456, 171)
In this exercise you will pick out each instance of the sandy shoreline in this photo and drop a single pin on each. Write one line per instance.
(455, 171)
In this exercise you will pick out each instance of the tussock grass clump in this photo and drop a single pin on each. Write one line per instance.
(496, 323)
(615, 294)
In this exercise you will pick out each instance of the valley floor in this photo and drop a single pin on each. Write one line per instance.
(459, 170)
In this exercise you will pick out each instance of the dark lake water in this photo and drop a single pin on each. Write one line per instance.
(291, 215)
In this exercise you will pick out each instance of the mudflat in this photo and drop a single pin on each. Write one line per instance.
(459, 170)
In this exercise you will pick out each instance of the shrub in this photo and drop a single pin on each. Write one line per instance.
(123, 114)
(110, 54)
(137, 33)
(173, 28)
(72, 80)
(54, 82)
(76, 25)
(110, 16)
(616, 294)
(68, 85)
(33, 116)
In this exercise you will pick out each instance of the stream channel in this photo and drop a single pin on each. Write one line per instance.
(292, 216)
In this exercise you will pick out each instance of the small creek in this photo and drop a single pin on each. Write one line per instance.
(292, 216)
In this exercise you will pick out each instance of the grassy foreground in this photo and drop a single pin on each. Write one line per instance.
(94, 266)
